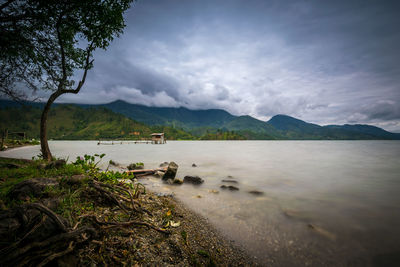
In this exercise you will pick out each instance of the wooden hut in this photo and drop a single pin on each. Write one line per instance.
(157, 138)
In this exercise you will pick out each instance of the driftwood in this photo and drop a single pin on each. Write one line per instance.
(146, 171)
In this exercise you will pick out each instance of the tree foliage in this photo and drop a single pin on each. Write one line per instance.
(44, 43)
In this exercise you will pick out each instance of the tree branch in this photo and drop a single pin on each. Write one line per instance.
(63, 67)
(87, 65)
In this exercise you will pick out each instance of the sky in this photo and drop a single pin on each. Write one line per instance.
(326, 62)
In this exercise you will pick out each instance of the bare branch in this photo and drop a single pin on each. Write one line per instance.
(87, 65)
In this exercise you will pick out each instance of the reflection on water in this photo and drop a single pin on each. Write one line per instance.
(324, 202)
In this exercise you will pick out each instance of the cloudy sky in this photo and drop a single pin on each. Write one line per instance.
(327, 62)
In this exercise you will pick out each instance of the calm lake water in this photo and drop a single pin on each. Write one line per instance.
(325, 203)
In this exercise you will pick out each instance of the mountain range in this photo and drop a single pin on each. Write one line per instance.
(212, 121)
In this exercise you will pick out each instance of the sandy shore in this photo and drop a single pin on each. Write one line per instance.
(205, 236)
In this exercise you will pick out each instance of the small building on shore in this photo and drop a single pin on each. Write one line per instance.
(158, 138)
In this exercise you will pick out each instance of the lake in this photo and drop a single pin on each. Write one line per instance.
(324, 203)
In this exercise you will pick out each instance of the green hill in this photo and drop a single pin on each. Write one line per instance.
(72, 122)
(118, 119)
(292, 128)
(177, 117)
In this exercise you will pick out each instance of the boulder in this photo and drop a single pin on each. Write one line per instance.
(135, 166)
(193, 179)
(194, 165)
(56, 164)
(159, 174)
(230, 187)
(178, 181)
(171, 171)
(164, 164)
(31, 188)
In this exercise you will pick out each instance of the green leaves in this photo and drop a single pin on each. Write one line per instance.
(89, 163)
(43, 42)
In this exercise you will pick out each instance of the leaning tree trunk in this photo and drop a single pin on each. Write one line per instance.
(43, 127)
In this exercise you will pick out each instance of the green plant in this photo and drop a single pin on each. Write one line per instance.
(89, 163)
(112, 176)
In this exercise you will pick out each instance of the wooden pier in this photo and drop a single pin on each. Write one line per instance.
(156, 138)
(120, 142)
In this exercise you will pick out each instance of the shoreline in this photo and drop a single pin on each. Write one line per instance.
(9, 146)
(207, 235)
(162, 232)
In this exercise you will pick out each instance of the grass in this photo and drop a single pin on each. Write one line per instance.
(30, 169)
(72, 201)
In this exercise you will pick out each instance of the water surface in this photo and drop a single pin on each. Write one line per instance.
(324, 202)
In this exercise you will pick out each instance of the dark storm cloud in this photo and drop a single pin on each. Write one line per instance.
(322, 61)
(383, 110)
(120, 72)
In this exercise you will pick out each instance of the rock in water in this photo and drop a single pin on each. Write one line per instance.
(178, 181)
(131, 166)
(171, 171)
(230, 187)
(113, 163)
(193, 180)
(135, 166)
(230, 181)
(159, 174)
(164, 164)
(256, 192)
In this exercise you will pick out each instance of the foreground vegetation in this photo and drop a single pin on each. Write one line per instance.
(76, 215)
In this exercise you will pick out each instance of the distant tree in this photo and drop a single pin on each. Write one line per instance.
(44, 43)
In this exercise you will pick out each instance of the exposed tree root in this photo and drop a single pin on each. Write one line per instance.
(111, 196)
(57, 255)
(52, 243)
(109, 225)
(47, 236)
(57, 219)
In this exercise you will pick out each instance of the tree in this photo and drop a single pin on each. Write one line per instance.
(45, 43)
